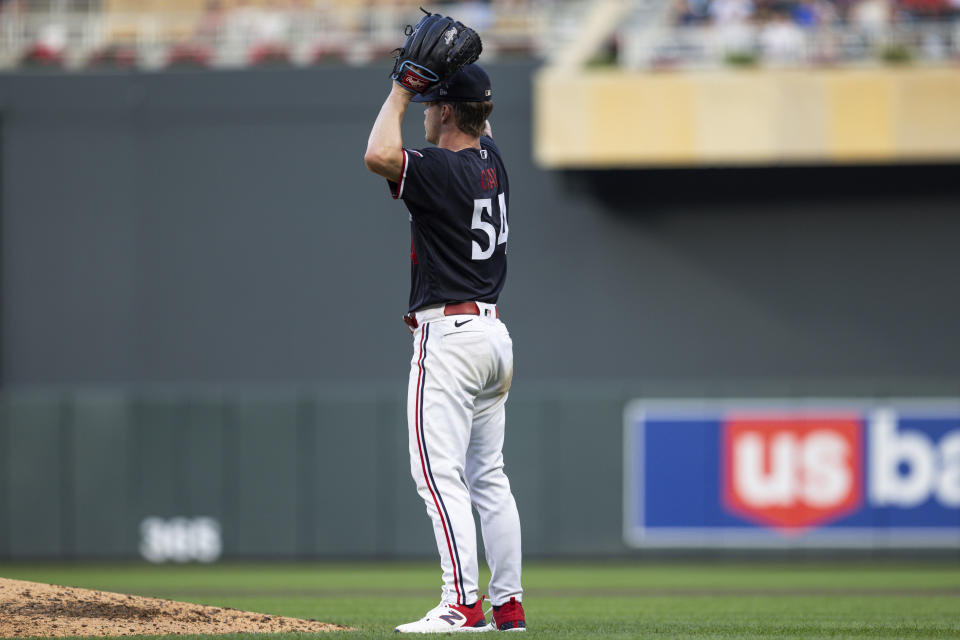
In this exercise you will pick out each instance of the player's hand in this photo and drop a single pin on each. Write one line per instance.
(401, 91)
(435, 49)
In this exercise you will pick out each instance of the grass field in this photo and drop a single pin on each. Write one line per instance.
(591, 601)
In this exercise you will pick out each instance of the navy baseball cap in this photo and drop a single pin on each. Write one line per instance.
(470, 84)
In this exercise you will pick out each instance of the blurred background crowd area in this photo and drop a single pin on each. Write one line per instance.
(636, 34)
(236, 33)
(786, 32)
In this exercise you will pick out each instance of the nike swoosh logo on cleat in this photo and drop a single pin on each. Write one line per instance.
(458, 324)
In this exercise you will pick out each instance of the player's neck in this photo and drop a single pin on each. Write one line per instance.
(455, 140)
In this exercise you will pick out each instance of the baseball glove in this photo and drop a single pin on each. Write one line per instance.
(435, 49)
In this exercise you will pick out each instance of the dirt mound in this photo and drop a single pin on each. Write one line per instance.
(33, 609)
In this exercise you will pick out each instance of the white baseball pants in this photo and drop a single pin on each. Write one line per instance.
(460, 377)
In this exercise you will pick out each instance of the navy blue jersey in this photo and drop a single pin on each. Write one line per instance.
(458, 202)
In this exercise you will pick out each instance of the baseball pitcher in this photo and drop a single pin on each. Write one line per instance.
(458, 195)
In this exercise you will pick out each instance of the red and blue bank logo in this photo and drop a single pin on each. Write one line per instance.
(830, 473)
(791, 471)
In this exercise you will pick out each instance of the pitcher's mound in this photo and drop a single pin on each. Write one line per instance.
(33, 609)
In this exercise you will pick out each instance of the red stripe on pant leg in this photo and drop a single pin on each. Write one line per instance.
(423, 465)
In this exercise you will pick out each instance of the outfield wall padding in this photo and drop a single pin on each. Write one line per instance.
(285, 474)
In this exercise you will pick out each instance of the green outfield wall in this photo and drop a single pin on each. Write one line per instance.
(201, 290)
(301, 472)
(278, 474)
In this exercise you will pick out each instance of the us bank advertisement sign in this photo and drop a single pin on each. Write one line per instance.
(792, 473)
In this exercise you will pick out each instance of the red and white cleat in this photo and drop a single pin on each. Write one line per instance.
(448, 618)
(509, 617)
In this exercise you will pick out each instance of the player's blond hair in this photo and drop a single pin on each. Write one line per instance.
(471, 117)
